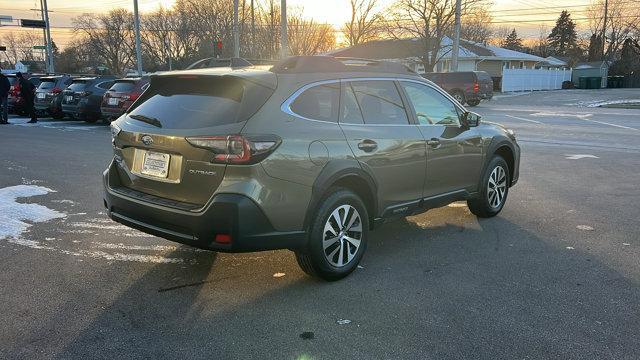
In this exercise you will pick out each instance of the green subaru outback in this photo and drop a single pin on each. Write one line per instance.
(310, 155)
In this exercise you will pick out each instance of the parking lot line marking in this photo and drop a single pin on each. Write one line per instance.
(523, 119)
(610, 124)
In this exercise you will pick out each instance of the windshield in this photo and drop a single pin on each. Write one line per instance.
(47, 84)
(77, 85)
(123, 86)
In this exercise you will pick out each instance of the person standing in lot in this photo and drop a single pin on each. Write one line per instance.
(4, 94)
(27, 93)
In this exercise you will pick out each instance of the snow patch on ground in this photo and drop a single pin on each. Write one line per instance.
(13, 215)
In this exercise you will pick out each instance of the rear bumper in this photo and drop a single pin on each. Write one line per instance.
(110, 112)
(480, 96)
(230, 214)
(80, 111)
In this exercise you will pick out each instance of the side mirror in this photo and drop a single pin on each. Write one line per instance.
(472, 119)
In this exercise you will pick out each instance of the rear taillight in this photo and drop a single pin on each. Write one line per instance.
(237, 149)
(476, 87)
(131, 97)
(56, 90)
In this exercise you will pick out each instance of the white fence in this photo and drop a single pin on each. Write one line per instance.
(532, 79)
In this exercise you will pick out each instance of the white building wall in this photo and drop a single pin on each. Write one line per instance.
(533, 79)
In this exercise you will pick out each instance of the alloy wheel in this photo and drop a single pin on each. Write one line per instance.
(342, 235)
(497, 187)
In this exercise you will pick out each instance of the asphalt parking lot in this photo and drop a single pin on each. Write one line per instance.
(555, 275)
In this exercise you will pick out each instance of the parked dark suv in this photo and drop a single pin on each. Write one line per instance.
(121, 95)
(48, 100)
(309, 156)
(465, 86)
(82, 99)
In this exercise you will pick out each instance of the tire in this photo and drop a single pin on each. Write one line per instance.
(458, 95)
(328, 262)
(473, 102)
(489, 203)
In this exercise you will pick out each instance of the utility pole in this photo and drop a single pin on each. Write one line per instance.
(236, 33)
(136, 24)
(456, 37)
(49, 42)
(284, 41)
(604, 28)
(253, 31)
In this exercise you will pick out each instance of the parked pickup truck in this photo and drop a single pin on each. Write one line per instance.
(465, 86)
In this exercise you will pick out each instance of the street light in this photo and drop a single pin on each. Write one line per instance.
(136, 24)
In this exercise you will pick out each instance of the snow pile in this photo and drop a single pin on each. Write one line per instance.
(613, 102)
(14, 214)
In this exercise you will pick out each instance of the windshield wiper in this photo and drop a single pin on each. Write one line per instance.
(147, 119)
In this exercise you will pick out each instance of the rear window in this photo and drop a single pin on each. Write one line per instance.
(47, 84)
(202, 102)
(483, 75)
(77, 85)
(122, 86)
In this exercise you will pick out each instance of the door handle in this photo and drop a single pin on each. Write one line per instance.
(367, 145)
(434, 143)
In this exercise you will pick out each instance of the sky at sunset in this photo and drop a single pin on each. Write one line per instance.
(525, 15)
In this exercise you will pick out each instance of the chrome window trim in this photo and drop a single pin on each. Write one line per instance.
(286, 105)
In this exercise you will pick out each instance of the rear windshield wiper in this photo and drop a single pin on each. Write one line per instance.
(147, 119)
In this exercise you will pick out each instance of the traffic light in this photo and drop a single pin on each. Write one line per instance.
(217, 48)
(36, 24)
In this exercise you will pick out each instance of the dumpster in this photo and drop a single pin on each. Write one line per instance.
(582, 82)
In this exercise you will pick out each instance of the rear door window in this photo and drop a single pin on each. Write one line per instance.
(203, 102)
(380, 102)
(351, 113)
(319, 102)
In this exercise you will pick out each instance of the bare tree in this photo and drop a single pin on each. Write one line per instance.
(20, 46)
(364, 24)
(476, 26)
(623, 18)
(428, 21)
(168, 38)
(110, 37)
(306, 37)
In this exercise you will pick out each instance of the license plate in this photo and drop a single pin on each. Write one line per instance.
(68, 98)
(156, 164)
(112, 101)
(40, 95)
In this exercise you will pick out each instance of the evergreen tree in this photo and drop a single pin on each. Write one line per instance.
(629, 61)
(512, 41)
(563, 37)
(595, 48)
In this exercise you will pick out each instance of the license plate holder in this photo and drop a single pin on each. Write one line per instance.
(69, 98)
(112, 101)
(156, 164)
(40, 95)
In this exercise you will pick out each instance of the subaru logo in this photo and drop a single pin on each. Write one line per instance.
(147, 140)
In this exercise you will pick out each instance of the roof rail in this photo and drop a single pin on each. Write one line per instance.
(323, 63)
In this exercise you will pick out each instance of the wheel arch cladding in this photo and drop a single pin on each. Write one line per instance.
(351, 177)
(505, 150)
